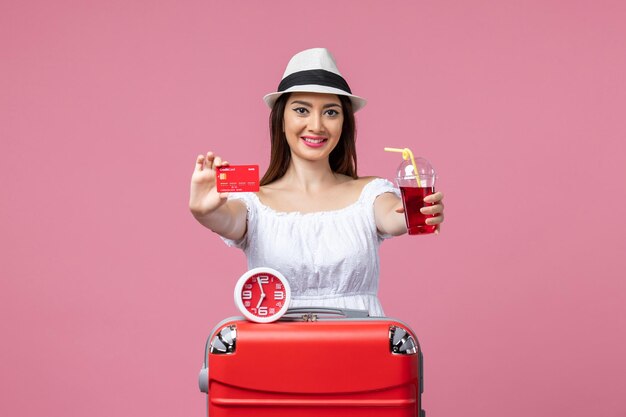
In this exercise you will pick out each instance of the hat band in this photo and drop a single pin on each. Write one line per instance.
(317, 76)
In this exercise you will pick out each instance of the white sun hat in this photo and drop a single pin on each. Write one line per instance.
(314, 71)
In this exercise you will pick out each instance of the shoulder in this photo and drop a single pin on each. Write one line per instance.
(358, 187)
(380, 190)
(272, 192)
(357, 183)
(366, 180)
(371, 186)
(377, 185)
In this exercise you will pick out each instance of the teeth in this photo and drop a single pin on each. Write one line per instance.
(313, 140)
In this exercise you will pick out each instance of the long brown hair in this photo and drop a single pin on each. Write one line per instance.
(342, 159)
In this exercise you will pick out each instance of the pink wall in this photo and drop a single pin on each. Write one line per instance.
(109, 286)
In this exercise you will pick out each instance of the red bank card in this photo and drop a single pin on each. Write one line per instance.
(237, 178)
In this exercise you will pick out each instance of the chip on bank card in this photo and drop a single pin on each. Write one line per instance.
(237, 178)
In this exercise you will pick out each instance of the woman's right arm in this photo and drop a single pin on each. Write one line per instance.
(210, 208)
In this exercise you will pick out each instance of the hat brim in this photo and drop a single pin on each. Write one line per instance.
(357, 102)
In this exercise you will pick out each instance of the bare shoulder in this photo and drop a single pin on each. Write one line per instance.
(366, 180)
(278, 196)
(285, 198)
(363, 181)
(355, 181)
(354, 185)
(270, 192)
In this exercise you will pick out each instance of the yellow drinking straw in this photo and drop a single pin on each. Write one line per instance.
(406, 154)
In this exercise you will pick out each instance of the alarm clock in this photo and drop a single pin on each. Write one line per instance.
(262, 295)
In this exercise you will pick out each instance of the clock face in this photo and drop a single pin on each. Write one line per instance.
(262, 295)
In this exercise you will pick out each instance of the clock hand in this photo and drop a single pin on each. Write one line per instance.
(260, 301)
(261, 286)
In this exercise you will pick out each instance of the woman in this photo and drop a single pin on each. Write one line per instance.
(313, 218)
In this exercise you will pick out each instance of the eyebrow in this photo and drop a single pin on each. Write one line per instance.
(310, 105)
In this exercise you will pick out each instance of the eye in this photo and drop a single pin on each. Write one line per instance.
(333, 112)
(298, 110)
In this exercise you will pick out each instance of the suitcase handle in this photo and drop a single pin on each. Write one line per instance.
(311, 313)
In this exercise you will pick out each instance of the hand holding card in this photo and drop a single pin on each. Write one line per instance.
(237, 178)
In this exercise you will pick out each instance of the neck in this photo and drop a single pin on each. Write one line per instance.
(309, 175)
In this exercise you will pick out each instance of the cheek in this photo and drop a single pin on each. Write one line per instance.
(337, 127)
(292, 130)
(291, 123)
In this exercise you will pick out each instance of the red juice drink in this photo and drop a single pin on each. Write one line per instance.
(416, 179)
(413, 201)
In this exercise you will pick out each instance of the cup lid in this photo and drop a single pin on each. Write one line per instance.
(407, 171)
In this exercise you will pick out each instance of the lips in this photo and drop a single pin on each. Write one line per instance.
(314, 141)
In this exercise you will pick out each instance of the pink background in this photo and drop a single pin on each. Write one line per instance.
(109, 286)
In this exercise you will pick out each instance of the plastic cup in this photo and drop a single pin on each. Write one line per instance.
(413, 194)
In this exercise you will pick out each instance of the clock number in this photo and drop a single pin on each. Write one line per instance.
(246, 295)
(279, 295)
(264, 279)
(262, 311)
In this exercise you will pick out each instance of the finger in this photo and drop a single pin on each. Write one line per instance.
(223, 196)
(434, 220)
(437, 208)
(209, 160)
(400, 210)
(199, 163)
(225, 163)
(217, 162)
(437, 229)
(434, 198)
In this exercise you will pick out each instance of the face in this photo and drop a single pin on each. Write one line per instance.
(312, 124)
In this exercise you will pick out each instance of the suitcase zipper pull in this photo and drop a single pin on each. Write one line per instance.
(309, 317)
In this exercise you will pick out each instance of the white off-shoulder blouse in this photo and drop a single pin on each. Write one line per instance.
(329, 257)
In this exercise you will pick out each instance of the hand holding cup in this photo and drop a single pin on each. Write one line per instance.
(421, 205)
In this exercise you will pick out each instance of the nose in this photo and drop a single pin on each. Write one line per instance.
(315, 123)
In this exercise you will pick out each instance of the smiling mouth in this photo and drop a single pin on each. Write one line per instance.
(311, 140)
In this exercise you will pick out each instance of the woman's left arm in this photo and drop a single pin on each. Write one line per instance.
(389, 213)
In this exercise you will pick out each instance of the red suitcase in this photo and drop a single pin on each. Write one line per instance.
(313, 362)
